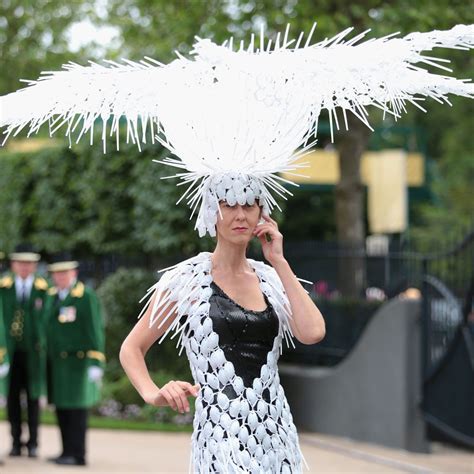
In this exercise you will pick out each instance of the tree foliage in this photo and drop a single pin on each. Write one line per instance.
(82, 199)
(120, 294)
(33, 37)
(156, 28)
(78, 199)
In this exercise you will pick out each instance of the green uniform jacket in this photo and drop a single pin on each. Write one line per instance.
(75, 340)
(4, 359)
(24, 329)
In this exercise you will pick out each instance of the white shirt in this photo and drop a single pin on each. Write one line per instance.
(65, 291)
(23, 287)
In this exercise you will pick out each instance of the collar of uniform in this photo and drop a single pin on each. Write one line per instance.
(76, 290)
(26, 283)
(65, 291)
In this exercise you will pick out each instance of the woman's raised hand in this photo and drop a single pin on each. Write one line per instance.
(273, 248)
(175, 394)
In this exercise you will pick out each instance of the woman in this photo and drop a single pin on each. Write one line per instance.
(234, 120)
(252, 418)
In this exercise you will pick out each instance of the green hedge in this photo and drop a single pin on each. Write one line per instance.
(120, 294)
(82, 200)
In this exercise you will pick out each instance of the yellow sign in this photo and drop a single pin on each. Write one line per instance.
(324, 168)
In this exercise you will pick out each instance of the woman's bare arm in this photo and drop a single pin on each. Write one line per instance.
(307, 323)
(132, 358)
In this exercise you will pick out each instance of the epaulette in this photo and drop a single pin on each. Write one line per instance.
(52, 291)
(3, 353)
(78, 290)
(41, 284)
(6, 282)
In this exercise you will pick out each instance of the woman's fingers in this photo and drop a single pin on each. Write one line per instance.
(164, 392)
(189, 388)
(179, 397)
(262, 227)
(169, 395)
(267, 222)
(263, 239)
(269, 219)
(266, 229)
(175, 394)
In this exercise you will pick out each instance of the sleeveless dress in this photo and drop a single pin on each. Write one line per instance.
(242, 422)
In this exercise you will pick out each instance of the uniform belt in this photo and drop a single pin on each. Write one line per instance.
(83, 354)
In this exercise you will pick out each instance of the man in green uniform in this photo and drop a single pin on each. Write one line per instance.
(4, 360)
(22, 296)
(2, 261)
(75, 339)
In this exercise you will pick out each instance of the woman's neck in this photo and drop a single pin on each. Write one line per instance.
(229, 257)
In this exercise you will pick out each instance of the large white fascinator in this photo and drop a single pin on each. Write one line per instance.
(235, 116)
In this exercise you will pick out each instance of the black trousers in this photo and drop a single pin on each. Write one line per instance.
(73, 425)
(19, 384)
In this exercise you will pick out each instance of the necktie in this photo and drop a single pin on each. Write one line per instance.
(23, 292)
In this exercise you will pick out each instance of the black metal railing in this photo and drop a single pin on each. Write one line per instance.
(446, 277)
(441, 279)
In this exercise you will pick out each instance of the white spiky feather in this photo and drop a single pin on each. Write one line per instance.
(248, 111)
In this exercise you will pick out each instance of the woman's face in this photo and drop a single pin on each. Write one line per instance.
(238, 222)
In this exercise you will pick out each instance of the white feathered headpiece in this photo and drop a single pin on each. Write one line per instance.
(234, 119)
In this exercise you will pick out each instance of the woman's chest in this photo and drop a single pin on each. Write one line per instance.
(244, 290)
(236, 325)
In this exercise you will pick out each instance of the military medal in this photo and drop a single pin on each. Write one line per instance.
(67, 314)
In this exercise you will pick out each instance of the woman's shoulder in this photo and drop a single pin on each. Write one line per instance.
(199, 263)
(263, 269)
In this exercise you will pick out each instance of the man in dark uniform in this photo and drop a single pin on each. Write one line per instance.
(75, 339)
(22, 295)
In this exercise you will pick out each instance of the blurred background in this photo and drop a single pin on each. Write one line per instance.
(385, 217)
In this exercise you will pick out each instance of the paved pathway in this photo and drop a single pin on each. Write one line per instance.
(111, 451)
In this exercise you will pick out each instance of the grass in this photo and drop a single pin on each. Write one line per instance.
(49, 418)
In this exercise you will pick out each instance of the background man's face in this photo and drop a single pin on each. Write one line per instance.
(23, 269)
(64, 279)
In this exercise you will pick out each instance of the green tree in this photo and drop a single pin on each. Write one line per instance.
(80, 199)
(15, 181)
(106, 204)
(150, 27)
(451, 213)
(52, 210)
(160, 226)
(120, 294)
(33, 37)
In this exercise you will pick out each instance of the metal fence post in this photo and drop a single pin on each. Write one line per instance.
(425, 322)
